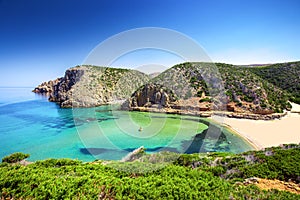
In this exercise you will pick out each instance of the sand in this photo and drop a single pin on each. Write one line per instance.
(262, 134)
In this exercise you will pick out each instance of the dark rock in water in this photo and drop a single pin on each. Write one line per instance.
(106, 118)
(93, 151)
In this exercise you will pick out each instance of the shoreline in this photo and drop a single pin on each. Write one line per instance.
(263, 134)
(258, 131)
(256, 146)
(207, 114)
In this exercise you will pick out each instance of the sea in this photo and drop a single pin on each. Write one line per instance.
(29, 123)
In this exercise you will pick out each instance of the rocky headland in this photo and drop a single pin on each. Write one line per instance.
(46, 87)
(90, 86)
(201, 89)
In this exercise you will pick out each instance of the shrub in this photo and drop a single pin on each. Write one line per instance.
(15, 157)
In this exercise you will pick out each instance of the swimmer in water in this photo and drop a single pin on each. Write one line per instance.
(140, 129)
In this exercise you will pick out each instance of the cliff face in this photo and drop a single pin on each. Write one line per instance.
(63, 90)
(151, 95)
(89, 86)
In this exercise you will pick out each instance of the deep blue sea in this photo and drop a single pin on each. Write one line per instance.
(31, 124)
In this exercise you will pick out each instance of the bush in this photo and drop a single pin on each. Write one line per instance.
(206, 99)
(192, 176)
(15, 157)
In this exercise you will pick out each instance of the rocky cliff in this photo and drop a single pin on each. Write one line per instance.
(191, 87)
(46, 87)
(151, 95)
(199, 87)
(89, 86)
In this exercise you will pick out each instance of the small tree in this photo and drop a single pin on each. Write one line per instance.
(15, 157)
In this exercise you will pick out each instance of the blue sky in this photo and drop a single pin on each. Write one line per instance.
(40, 39)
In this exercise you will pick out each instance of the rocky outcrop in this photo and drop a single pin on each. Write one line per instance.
(134, 155)
(46, 87)
(62, 92)
(90, 86)
(255, 116)
(152, 95)
(199, 113)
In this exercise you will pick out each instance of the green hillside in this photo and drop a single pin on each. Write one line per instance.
(242, 88)
(283, 75)
(195, 176)
(89, 86)
(250, 90)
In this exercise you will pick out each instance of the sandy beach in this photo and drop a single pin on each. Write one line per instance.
(264, 134)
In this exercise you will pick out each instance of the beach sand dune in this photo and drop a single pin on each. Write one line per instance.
(264, 134)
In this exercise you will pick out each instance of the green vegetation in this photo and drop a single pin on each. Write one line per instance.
(243, 86)
(256, 89)
(117, 81)
(272, 163)
(195, 176)
(206, 99)
(15, 157)
(283, 75)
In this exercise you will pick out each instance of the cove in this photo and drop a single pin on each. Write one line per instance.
(44, 130)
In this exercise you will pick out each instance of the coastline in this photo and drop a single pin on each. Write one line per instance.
(260, 131)
(255, 144)
(195, 111)
(262, 134)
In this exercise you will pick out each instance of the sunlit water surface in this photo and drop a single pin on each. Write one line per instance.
(31, 124)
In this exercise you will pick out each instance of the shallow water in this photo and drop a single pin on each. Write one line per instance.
(31, 124)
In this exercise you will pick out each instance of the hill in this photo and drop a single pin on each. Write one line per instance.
(219, 86)
(283, 75)
(258, 90)
(88, 86)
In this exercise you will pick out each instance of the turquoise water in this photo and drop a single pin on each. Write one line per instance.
(31, 124)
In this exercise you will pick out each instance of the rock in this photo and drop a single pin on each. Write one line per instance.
(148, 104)
(46, 87)
(230, 107)
(251, 180)
(90, 86)
(164, 100)
(152, 95)
(24, 162)
(157, 98)
(62, 91)
(137, 153)
(256, 116)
